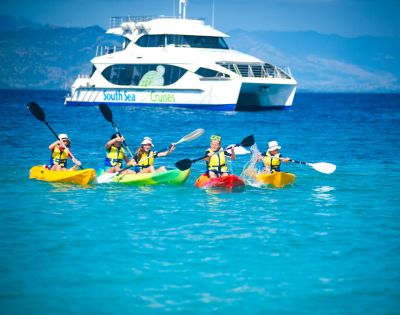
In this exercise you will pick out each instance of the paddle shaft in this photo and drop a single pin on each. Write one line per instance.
(38, 113)
(62, 143)
(322, 167)
(214, 153)
(124, 142)
(187, 163)
(107, 114)
(191, 136)
(298, 162)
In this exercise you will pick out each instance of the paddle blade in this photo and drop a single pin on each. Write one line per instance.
(326, 168)
(36, 111)
(106, 111)
(183, 164)
(106, 178)
(238, 150)
(247, 142)
(191, 136)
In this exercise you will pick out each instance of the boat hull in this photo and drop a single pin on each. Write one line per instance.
(224, 95)
(172, 177)
(227, 183)
(276, 179)
(80, 177)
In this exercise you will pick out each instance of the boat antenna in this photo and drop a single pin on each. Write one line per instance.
(213, 10)
(182, 9)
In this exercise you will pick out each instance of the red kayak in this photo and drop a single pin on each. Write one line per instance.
(230, 182)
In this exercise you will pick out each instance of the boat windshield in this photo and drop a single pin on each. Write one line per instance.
(182, 41)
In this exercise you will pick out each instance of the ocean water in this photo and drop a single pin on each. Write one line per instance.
(328, 245)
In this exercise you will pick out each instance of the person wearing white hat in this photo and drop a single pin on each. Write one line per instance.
(144, 157)
(60, 153)
(115, 154)
(272, 158)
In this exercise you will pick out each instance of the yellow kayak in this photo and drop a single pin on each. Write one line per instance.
(81, 177)
(276, 179)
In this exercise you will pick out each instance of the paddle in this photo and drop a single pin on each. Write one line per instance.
(187, 163)
(189, 137)
(239, 150)
(106, 111)
(322, 167)
(107, 177)
(38, 112)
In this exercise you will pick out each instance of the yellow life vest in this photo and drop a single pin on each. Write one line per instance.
(146, 160)
(217, 161)
(59, 157)
(272, 163)
(115, 156)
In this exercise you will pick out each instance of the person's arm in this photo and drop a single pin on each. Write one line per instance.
(286, 159)
(73, 159)
(112, 141)
(261, 156)
(208, 155)
(165, 153)
(231, 155)
(53, 145)
(130, 162)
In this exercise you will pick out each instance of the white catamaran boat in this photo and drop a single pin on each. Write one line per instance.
(179, 62)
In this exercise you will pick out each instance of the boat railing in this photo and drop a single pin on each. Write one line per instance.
(116, 21)
(105, 50)
(83, 76)
(257, 70)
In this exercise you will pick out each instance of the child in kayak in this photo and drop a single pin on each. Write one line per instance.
(144, 157)
(60, 153)
(115, 154)
(216, 158)
(272, 158)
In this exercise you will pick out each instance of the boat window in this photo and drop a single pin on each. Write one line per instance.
(93, 70)
(126, 43)
(182, 41)
(209, 73)
(143, 75)
(151, 41)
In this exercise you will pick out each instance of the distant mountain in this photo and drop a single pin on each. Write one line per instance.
(328, 62)
(9, 23)
(45, 57)
(37, 56)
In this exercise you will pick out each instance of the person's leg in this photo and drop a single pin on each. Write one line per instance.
(56, 167)
(161, 169)
(145, 171)
(212, 174)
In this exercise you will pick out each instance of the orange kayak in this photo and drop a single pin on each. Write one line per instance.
(229, 183)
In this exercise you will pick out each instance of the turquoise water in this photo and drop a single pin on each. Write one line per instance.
(328, 245)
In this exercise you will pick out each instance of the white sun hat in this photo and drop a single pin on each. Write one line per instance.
(273, 145)
(63, 136)
(147, 140)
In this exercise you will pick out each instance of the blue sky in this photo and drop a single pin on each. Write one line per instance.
(343, 17)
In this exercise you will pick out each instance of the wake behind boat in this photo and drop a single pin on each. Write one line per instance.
(174, 61)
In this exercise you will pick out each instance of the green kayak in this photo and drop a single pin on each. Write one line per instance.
(174, 177)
